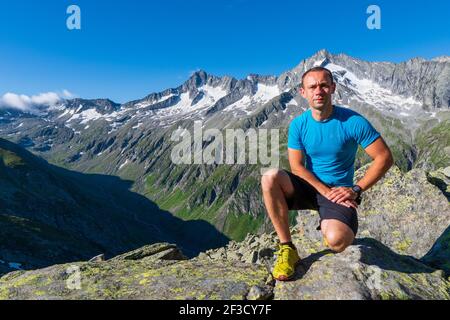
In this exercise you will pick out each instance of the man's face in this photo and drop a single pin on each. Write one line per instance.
(317, 89)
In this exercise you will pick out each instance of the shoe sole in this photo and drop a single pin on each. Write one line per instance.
(285, 278)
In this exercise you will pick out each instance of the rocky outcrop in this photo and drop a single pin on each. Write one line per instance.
(155, 272)
(402, 253)
(366, 270)
(441, 179)
(404, 211)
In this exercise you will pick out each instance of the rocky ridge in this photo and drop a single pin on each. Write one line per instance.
(402, 252)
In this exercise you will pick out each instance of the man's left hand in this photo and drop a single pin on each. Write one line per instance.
(341, 194)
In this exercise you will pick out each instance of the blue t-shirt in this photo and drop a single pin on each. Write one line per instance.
(330, 146)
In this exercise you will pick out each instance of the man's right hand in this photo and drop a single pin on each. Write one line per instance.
(349, 203)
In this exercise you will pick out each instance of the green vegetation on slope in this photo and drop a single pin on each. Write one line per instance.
(433, 147)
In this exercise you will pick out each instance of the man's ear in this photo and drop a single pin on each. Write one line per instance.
(333, 87)
(302, 92)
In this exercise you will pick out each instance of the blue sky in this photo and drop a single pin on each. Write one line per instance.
(128, 49)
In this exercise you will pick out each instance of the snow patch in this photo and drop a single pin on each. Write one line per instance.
(86, 116)
(68, 111)
(145, 104)
(292, 102)
(263, 94)
(210, 96)
(124, 164)
(319, 63)
(266, 93)
(240, 105)
(370, 92)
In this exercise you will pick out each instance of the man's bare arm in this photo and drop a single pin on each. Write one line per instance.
(382, 161)
(296, 160)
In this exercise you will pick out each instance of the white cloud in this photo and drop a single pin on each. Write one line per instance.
(12, 100)
(48, 98)
(67, 94)
(31, 104)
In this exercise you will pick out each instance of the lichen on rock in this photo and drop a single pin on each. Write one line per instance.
(402, 252)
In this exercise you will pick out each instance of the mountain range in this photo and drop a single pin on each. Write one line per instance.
(91, 147)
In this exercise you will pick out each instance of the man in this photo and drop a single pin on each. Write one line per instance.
(326, 137)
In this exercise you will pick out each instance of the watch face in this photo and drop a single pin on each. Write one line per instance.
(357, 189)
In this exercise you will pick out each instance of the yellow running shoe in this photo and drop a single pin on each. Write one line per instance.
(287, 260)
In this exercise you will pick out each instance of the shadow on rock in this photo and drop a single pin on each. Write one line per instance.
(376, 253)
(306, 263)
(439, 255)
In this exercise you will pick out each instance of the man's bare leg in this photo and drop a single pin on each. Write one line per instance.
(276, 186)
(337, 234)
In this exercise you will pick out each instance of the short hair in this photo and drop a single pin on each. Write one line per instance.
(316, 69)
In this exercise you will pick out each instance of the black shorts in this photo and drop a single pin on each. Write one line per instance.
(306, 197)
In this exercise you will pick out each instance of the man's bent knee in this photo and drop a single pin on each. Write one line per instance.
(338, 241)
(270, 179)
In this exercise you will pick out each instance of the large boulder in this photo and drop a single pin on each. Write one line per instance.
(154, 272)
(403, 211)
(402, 252)
(367, 270)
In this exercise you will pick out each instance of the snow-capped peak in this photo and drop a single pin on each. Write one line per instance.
(321, 62)
(442, 59)
(371, 92)
(247, 103)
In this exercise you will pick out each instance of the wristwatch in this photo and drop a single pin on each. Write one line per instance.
(358, 190)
